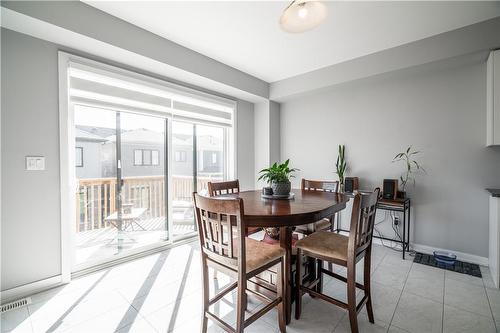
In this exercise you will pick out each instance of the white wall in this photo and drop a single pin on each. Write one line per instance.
(31, 201)
(441, 112)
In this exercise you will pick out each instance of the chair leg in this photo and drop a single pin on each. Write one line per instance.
(280, 282)
(206, 291)
(351, 296)
(298, 283)
(366, 282)
(319, 276)
(332, 229)
(241, 304)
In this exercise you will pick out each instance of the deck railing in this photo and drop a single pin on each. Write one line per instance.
(96, 197)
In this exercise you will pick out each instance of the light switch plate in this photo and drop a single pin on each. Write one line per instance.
(35, 163)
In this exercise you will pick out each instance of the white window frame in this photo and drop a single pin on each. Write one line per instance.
(67, 159)
(138, 154)
(155, 161)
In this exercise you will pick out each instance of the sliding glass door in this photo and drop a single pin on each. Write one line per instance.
(141, 148)
(120, 166)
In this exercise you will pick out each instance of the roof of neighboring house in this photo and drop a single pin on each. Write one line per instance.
(102, 132)
(140, 135)
(82, 135)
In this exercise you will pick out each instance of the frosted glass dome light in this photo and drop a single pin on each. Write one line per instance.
(303, 15)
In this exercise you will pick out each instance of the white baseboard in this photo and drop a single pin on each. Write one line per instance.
(483, 261)
(30, 289)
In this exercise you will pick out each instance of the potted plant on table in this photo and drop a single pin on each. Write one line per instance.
(411, 167)
(278, 176)
(341, 167)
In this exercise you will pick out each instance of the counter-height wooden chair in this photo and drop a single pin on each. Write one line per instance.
(229, 187)
(318, 185)
(219, 188)
(237, 256)
(345, 251)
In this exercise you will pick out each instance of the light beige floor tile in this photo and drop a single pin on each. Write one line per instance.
(418, 314)
(428, 283)
(394, 329)
(106, 322)
(465, 296)
(55, 314)
(317, 316)
(456, 320)
(16, 321)
(494, 300)
(364, 325)
(465, 278)
(138, 326)
(384, 301)
(390, 275)
(396, 258)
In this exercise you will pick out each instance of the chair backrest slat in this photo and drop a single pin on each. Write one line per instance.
(216, 220)
(220, 188)
(362, 221)
(320, 185)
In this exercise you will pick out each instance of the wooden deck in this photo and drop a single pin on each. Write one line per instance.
(101, 243)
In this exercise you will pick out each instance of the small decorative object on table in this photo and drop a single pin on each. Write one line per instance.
(267, 191)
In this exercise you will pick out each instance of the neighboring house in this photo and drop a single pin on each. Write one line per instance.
(88, 160)
(142, 153)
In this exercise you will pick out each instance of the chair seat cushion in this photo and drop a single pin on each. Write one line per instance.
(320, 225)
(259, 253)
(325, 244)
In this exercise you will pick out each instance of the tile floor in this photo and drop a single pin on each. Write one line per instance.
(161, 293)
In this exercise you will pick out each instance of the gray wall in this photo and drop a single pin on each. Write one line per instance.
(441, 112)
(30, 200)
(245, 147)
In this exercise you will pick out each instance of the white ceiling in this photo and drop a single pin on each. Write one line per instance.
(246, 35)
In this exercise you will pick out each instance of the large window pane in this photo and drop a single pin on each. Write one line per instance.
(143, 189)
(95, 170)
(115, 217)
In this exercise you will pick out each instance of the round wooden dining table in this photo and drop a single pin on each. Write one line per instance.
(304, 208)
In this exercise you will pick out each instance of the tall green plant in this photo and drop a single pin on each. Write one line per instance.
(411, 166)
(278, 173)
(341, 164)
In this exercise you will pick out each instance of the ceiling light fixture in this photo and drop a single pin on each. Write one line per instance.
(303, 15)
